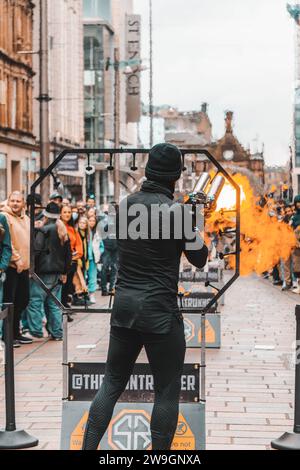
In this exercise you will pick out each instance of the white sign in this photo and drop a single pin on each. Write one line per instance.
(133, 53)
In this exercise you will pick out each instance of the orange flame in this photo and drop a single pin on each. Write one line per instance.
(264, 239)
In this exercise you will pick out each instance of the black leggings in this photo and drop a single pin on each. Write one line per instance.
(68, 288)
(165, 353)
(16, 291)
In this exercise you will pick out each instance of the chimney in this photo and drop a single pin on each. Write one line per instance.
(204, 108)
(228, 121)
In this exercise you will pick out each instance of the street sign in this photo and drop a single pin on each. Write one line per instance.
(129, 428)
(68, 163)
(192, 330)
(86, 378)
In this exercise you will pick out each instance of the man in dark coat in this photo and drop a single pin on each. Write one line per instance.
(109, 259)
(145, 311)
(52, 262)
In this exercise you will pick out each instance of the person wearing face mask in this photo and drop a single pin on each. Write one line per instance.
(77, 253)
(75, 215)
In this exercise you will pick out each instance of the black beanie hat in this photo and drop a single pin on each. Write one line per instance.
(164, 163)
(52, 211)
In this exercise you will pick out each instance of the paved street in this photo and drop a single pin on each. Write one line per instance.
(249, 389)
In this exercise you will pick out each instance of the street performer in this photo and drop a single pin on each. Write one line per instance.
(145, 312)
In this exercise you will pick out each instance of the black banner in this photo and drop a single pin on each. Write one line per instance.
(86, 378)
(197, 300)
(199, 276)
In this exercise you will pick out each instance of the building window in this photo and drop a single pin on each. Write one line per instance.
(25, 167)
(3, 91)
(93, 54)
(29, 173)
(14, 104)
(94, 86)
(3, 177)
(95, 8)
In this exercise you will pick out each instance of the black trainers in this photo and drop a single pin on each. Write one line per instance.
(105, 293)
(78, 301)
(16, 344)
(24, 340)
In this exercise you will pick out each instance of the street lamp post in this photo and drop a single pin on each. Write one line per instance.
(151, 75)
(116, 123)
(44, 98)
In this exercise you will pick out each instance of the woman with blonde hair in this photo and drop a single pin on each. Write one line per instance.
(95, 249)
(79, 281)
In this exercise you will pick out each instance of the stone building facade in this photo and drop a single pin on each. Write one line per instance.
(231, 154)
(65, 65)
(17, 141)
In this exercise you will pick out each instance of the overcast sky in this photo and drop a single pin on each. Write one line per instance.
(233, 54)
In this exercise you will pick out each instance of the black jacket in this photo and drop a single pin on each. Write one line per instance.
(147, 285)
(109, 242)
(51, 257)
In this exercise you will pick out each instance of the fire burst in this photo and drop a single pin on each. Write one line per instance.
(264, 239)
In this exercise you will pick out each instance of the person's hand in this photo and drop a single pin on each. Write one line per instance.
(20, 266)
(38, 224)
(63, 278)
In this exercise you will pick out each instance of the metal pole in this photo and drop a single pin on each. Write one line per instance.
(297, 375)
(65, 356)
(291, 440)
(151, 74)
(11, 438)
(116, 124)
(9, 372)
(291, 192)
(44, 99)
(202, 362)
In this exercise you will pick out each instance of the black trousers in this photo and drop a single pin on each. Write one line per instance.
(68, 287)
(16, 291)
(166, 354)
(109, 261)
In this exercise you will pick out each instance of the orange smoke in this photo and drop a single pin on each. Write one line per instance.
(264, 239)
